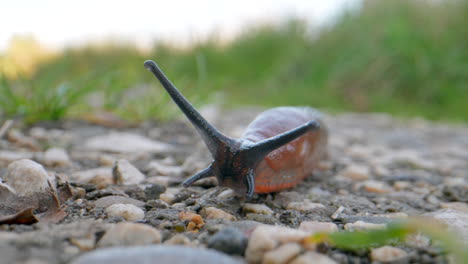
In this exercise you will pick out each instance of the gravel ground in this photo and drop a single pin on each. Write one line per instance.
(126, 191)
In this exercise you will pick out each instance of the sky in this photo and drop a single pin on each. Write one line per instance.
(58, 23)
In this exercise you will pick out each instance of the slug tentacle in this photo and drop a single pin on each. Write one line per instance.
(207, 172)
(250, 181)
(260, 149)
(212, 137)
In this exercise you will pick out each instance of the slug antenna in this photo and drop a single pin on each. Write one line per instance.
(207, 172)
(260, 149)
(211, 136)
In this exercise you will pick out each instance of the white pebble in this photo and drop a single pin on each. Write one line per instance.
(283, 254)
(387, 254)
(266, 238)
(304, 206)
(56, 157)
(361, 225)
(312, 257)
(215, 213)
(257, 208)
(129, 212)
(125, 173)
(26, 177)
(130, 234)
(356, 172)
(315, 227)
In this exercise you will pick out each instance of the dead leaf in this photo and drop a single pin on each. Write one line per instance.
(47, 206)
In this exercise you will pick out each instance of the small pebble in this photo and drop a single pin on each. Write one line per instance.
(130, 234)
(178, 239)
(356, 172)
(304, 206)
(125, 173)
(257, 208)
(26, 177)
(376, 186)
(101, 177)
(387, 254)
(458, 206)
(457, 221)
(361, 225)
(312, 257)
(283, 254)
(215, 213)
(170, 195)
(267, 237)
(229, 240)
(128, 211)
(56, 157)
(315, 227)
(196, 221)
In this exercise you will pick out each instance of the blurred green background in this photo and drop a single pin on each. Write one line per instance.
(408, 58)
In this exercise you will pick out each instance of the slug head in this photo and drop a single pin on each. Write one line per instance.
(234, 161)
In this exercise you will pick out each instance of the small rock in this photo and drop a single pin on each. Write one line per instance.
(457, 221)
(376, 186)
(130, 234)
(257, 208)
(26, 177)
(157, 204)
(178, 239)
(356, 172)
(161, 254)
(315, 227)
(126, 174)
(153, 191)
(229, 240)
(361, 225)
(170, 195)
(215, 213)
(312, 257)
(159, 168)
(107, 201)
(266, 238)
(56, 157)
(458, 206)
(196, 221)
(128, 211)
(387, 254)
(402, 185)
(126, 143)
(304, 206)
(226, 194)
(84, 244)
(283, 254)
(417, 241)
(101, 177)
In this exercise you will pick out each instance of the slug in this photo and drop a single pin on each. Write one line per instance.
(279, 148)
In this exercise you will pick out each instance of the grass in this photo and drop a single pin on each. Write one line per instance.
(395, 234)
(407, 58)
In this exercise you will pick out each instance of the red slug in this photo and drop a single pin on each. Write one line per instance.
(279, 148)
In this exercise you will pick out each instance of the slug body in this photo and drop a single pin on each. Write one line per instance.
(279, 148)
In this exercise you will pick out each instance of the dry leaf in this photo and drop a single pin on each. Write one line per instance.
(43, 206)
